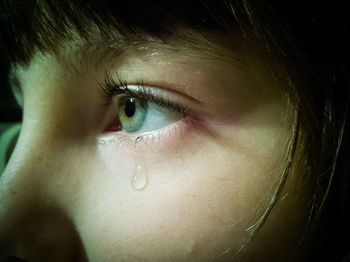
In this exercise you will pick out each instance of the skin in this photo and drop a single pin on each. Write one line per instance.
(67, 195)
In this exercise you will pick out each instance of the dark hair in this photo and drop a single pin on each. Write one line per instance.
(306, 46)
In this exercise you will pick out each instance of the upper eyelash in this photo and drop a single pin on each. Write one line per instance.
(111, 87)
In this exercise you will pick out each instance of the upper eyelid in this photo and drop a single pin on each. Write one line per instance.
(146, 93)
(117, 85)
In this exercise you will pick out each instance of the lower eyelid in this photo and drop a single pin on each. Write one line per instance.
(167, 138)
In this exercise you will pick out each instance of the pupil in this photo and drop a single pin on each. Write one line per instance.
(130, 107)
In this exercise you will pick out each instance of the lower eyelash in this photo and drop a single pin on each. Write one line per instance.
(171, 134)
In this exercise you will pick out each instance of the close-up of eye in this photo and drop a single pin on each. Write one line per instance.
(146, 111)
(174, 131)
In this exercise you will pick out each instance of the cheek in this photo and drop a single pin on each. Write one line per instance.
(194, 201)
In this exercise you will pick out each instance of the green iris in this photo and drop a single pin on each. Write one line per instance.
(132, 113)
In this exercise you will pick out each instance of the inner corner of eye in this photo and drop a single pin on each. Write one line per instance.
(115, 126)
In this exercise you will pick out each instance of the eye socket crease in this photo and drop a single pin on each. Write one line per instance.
(110, 87)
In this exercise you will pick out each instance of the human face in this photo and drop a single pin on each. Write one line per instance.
(113, 177)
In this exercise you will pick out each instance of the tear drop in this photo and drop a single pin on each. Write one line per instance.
(139, 179)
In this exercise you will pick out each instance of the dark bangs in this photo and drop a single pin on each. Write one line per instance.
(28, 25)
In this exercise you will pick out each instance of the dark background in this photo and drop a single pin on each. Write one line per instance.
(9, 110)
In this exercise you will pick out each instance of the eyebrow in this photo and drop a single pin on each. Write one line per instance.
(94, 54)
(81, 53)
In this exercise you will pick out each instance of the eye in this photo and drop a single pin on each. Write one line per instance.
(137, 115)
(141, 114)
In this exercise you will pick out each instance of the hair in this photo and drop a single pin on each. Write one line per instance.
(305, 46)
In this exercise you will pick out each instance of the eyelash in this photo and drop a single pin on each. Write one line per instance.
(111, 88)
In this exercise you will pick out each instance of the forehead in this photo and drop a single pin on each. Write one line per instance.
(79, 54)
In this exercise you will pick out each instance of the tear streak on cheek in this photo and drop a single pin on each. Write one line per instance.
(123, 166)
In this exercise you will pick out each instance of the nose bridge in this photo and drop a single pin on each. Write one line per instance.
(34, 225)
